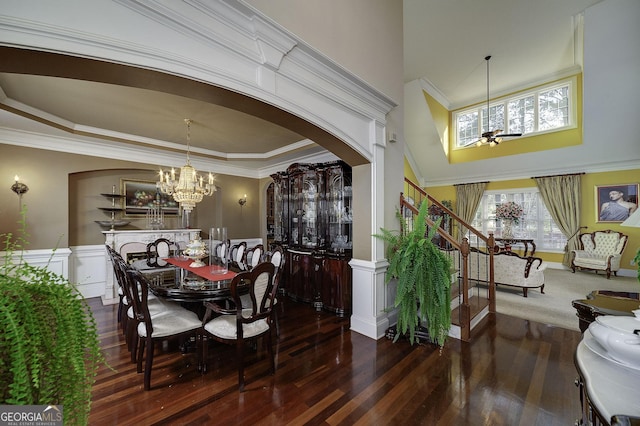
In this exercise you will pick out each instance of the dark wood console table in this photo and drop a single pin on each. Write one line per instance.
(605, 302)
(506, 243)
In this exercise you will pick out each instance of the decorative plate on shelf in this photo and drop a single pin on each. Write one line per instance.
(114, 223)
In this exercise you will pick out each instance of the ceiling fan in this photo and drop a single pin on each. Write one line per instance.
(494, 137)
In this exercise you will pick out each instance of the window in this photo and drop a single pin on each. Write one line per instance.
(549, 108)
(536, 223)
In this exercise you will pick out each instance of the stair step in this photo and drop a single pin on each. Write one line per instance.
(477, 305)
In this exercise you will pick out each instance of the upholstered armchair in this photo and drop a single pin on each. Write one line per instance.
(599, 251)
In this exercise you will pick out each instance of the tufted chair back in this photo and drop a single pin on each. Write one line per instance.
(603, 243)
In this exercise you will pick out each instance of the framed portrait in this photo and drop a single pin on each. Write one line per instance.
(139, 196)
(614, 203)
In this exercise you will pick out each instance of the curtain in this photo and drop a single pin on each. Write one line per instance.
(562, 197)
(468, 198)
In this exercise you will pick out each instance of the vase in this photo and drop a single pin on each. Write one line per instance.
(507, 228)
(218, 254)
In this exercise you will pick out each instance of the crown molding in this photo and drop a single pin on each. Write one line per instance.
(154, 156)
(225, 43)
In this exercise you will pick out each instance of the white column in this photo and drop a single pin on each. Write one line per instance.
(370, 293)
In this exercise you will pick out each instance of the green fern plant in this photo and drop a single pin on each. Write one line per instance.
(423, 274)
(49, 347)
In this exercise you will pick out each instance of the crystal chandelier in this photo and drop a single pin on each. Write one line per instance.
(190, 188)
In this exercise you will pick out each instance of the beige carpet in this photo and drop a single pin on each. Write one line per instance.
(561, 287)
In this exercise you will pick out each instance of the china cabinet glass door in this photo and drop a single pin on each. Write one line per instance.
(305, 189)
(339, 207)
(280, 208)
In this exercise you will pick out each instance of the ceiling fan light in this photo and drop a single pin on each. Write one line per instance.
(479, 143)
(493, 143)
(498, 140)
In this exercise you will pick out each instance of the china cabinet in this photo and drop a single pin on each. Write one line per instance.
(313, 222)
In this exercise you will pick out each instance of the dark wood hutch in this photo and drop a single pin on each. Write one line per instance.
(312, 221)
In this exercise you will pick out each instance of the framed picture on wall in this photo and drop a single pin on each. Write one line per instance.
(139, 196)
(614, 203)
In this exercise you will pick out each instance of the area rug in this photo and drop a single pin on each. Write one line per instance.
(561, 287)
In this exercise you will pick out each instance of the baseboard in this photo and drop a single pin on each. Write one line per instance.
(622, 272)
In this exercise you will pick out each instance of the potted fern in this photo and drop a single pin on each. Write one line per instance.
(49, 347)
(423, 276)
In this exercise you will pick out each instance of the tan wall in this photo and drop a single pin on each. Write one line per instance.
(365, 37)
(64, 196)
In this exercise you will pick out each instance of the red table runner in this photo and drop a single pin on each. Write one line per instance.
(202, 271)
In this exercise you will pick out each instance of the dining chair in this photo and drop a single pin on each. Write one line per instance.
(123, 303)
(159, 250)
(253, 256)
(221, 250)
(277, 258)
(156, 306)
(163, 326)
(236, 255)
(235, 326)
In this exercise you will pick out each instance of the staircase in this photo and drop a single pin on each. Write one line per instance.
(473, 297)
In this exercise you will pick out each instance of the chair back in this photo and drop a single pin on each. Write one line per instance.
(139, 290)
(237, 253)
(603, 243)
(121, 268)
(262, 290)
(221, 250)
(158, 250)
(275, 256)
(254, 256)
(117, 262)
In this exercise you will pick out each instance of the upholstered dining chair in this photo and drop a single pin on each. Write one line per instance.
(221, 250)
(237, 325)
(276, 256)
(158, 250)
(253, 256)
(236, 255)
(123, 303)
(156, 306)
(169, 324)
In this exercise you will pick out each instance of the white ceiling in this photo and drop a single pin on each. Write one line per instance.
(445, 45)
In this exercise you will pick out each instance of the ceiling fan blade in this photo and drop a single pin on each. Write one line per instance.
(509, 135)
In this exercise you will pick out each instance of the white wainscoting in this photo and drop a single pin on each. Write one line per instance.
(88, 269)
(56, 261)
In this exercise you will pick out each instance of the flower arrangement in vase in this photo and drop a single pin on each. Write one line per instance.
(508, 213)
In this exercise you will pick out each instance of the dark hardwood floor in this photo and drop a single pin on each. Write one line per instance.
(514, 372)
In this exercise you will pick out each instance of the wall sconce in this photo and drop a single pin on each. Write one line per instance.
(18, 187)
(242, 201)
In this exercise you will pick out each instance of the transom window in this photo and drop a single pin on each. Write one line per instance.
(549, 108)
(536, 223)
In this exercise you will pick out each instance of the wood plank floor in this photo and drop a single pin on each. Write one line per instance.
(514, 372)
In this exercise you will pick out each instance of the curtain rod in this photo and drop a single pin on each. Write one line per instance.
(470, 183)
(566, 174)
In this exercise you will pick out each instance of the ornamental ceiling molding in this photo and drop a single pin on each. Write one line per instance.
(225, 43)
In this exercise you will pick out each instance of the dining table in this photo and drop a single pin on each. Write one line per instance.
(193, 283)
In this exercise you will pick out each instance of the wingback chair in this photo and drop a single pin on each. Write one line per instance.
(599, 251)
